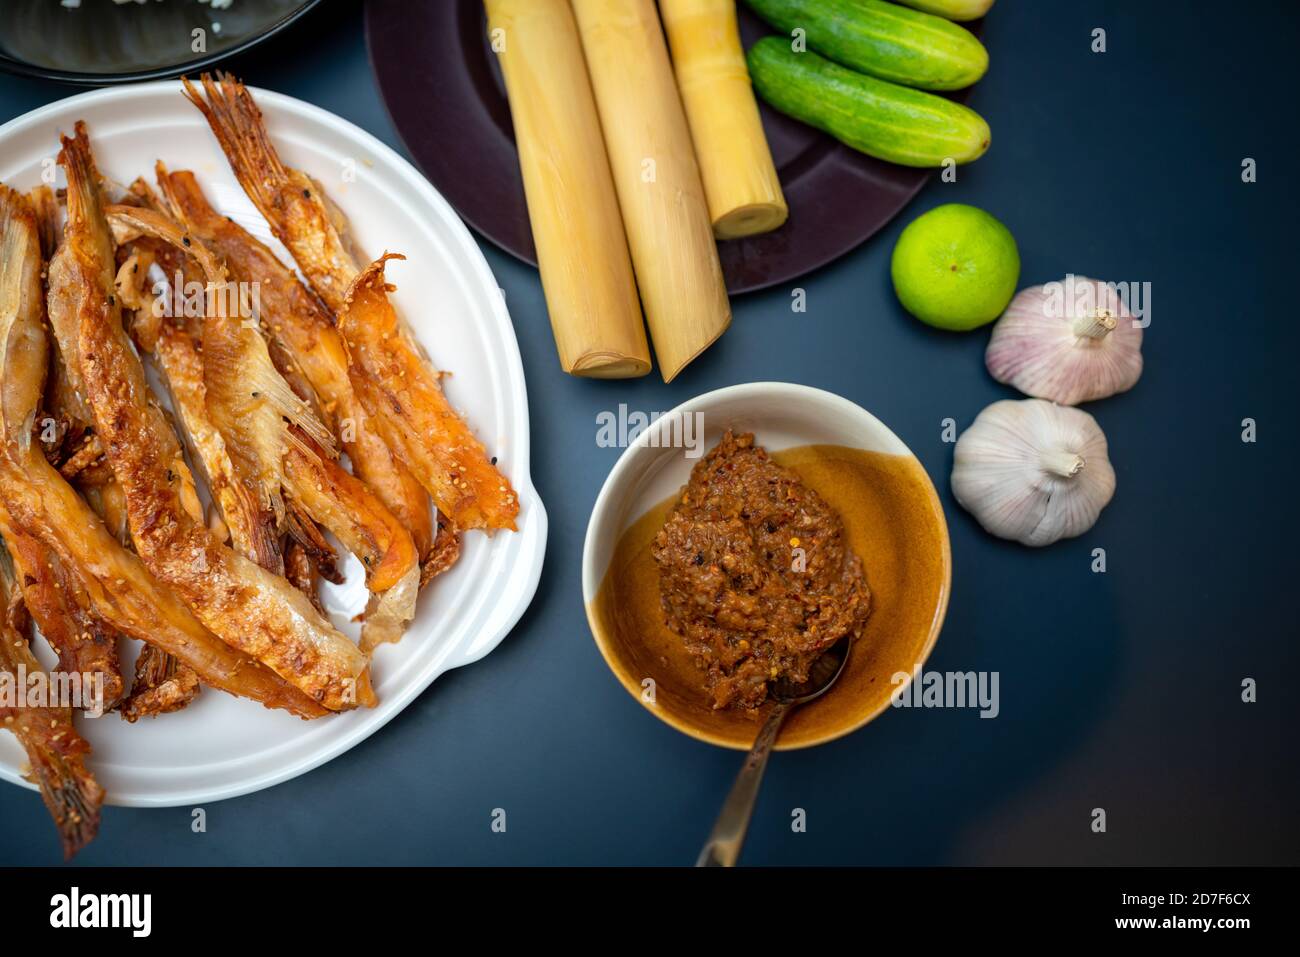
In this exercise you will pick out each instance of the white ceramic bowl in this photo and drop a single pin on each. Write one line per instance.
(781, 415)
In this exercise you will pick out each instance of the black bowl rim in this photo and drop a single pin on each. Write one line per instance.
(22, 68)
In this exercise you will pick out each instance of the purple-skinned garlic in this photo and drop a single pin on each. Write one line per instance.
(1070, 342)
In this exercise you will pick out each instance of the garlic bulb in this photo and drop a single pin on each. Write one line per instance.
(1070, 341)
(1032, 471)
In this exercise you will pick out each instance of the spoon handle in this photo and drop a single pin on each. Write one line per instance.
(723, 847)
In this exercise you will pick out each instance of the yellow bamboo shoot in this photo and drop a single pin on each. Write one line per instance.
(572, 206)
(735, 162)
(657, 179)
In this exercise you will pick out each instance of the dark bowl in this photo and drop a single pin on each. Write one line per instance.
(102, 42)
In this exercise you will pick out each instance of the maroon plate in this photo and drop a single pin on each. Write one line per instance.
(443, 88)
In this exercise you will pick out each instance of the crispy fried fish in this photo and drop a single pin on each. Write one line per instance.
(46, 210)
(43, 505)
(283, 451)
(448, 461)
(243, 604)
(290, 200)
(348, 508)
(162, 685)
(167, 338)
(291, 313)
(85, 643)
(340, 502)
(245, 506)
(56, 752)
(399, 388)
(225, 387)
(316, 235)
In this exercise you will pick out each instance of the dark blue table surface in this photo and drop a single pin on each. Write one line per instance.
(1119, 691)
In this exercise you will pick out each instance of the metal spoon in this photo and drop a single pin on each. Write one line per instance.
(724, 844)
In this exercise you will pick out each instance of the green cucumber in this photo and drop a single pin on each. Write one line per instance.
(885, 120)
(883, 39)
(952, 9)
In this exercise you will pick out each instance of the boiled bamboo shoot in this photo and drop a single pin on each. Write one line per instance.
(740, 178)
(581, 247)
(657, 178)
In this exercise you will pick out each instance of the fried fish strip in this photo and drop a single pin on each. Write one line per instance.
(396, 384)
(56, 752)
(252, 610)
(445, 551)
(288, 199)
(306, 329)
(110, 506)
(162, 685)
(242, 385)
(448, 461)
(169, 343)
(46, 209)
(42, 504)
(336, 500)
(85, 643)
(253, 526)
(124, 593)
(341, 503)
(297, 210)
(232, 424)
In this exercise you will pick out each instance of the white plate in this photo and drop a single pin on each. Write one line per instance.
(220, 747)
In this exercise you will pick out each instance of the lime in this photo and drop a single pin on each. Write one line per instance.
(955, 267)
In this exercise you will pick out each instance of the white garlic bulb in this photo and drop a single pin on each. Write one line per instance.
(1070, 341)
(1032, 471)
